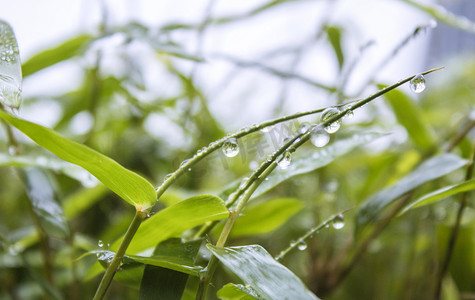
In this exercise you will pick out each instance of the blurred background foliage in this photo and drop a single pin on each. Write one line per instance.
(149, 96)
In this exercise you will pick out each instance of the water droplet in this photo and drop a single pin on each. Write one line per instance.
(293, 243)
(349, 114)
(338, 222)
(319, 137)
(167, 176)
(267, 129)
(304, 127)
(326, 115)
(189, 169)
(231, 147)
(432, 23)
(284, 162)
(10, 67)
(253, 165)
(418, 83)
(184, 162)
(12, 150)
(327, 225)
(100, 243)
(302, 245)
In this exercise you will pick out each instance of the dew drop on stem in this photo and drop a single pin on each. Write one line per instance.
(285, 160)
(338, 222)
(231, 147)
(100, 243)
(304, 127)
(319, 137)
(418, 83)
(302, 245)
(328, 113)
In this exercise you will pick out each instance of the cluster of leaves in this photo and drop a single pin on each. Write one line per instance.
(62, 227)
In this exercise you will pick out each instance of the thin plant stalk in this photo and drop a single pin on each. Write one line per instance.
(308, 234)
(269, 165)
(205, 281)
(454, 232)
(265, 168)
(115, 263)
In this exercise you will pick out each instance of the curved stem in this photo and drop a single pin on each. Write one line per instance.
(114, 265)
(267, 166)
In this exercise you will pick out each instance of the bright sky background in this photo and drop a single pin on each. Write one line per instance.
(41, 24)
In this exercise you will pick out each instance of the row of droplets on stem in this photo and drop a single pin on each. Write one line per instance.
(320, 136)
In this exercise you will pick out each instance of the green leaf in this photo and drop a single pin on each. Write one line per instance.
(266, 216)
(54, 164)
(130, 186)
(257, 269)
(233, 291)
(55, 55)
(431, 169)
(410, 116)
(160, 283)
(41, 192)
(334, 36)
(440, 194)
(174, 220)
(315, 160)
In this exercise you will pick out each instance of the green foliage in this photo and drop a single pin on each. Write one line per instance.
(256, 268)
(128, 185)
(60, 227)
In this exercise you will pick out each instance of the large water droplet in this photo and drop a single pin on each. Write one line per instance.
(302, 245)
(284, 162)
(231, 147)
(418, 83)
(10, 67)
(319, 138)
(338, 222)
(304, 127)
(327, 114)
(100, 243)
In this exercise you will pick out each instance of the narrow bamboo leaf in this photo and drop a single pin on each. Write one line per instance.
(265, 217)
(429, 170)
(316, 160)
(257, 269)
(55, 55)
(409, 115)
(174, 220)
(41, 192)
(54, 164)
(233, 291)
(161, 283)
(441, 194)
(130, 186)
(334, 36)
(171, 262)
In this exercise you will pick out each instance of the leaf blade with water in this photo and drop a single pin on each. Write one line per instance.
(256, 268)
(431, 169)
(130, 186)
(177, 218)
